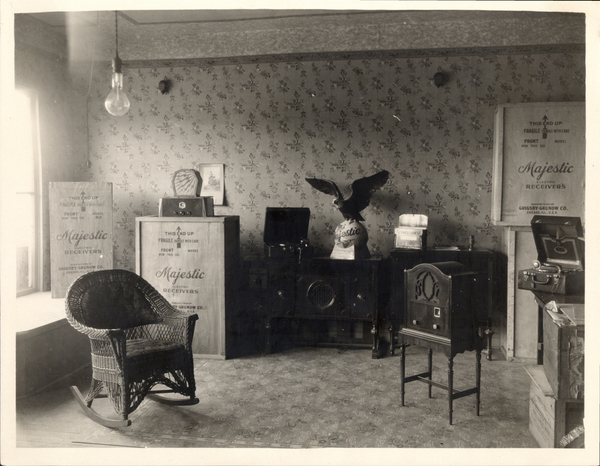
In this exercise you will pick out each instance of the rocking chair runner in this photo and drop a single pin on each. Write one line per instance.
(137, 340)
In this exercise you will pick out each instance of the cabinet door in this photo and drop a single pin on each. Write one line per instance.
(279, 295)
(362, 296)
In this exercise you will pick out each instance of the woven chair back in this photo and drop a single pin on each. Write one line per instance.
(111, 299)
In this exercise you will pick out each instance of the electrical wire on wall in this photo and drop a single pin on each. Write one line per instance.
(87, 99)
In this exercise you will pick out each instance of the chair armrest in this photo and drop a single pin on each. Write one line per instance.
(109, 344)
(172, 328)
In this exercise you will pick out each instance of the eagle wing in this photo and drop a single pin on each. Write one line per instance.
(363, 189)
(325, 186)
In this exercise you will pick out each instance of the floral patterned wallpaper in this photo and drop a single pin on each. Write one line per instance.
(274, 121)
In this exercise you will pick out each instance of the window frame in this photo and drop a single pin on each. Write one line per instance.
(36, 274)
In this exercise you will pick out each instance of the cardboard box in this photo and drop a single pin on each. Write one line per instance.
(411, 232)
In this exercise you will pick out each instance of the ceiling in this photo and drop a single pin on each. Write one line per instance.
(144, 35)
(60, 19)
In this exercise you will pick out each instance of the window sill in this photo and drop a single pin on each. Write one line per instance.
(39, 312)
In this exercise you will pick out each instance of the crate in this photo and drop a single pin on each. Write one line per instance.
(194, 263)
(564, 341)
(550, 418)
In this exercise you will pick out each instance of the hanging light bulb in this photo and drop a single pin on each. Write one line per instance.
(117, 102)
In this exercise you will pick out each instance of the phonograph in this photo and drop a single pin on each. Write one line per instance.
(559, 267)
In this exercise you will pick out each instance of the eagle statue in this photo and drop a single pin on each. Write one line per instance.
(362, 190)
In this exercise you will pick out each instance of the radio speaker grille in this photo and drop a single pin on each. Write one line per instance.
(321, 294)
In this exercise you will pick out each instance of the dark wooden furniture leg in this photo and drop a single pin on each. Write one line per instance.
(430, 367)
(450, 387)
(402, 368)
(489, 333)
(268, 329)
(478, 379)
(375, 349)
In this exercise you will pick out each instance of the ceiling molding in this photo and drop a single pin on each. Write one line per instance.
(383, 55)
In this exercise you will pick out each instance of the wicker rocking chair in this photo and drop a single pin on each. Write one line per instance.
(138, 340)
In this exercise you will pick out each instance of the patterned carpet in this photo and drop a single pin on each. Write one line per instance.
(327, 397)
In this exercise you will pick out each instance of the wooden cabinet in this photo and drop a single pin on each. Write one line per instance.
(194, 264)
(318, 301)
(477, 260)
(444, 303)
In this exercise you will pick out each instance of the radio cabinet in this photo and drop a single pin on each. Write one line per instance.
(319, 301)
(444, 303)
(476, 260)
(194, 263)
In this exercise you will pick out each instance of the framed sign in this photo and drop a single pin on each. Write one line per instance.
(212, 182)
(81, 231)
(539, 162)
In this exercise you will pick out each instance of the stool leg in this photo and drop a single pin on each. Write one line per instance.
(430, 366)
(450, 387)
(402, 369)
(478, 379)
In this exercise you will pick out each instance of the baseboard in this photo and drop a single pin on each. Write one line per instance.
(518, 360)
(50, 385)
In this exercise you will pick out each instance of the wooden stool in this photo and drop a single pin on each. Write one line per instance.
(426, 377)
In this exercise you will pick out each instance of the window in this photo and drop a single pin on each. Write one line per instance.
(26, 167)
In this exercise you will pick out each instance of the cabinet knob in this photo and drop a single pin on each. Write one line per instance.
(415, 322)
(360, 296)
(436, 326)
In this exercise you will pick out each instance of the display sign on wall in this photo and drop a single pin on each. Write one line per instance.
(539, 162)
(81, 238)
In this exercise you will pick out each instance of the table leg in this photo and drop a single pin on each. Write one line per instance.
(402, 369)
(478, 379)
(430, 367)
(450, 387)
